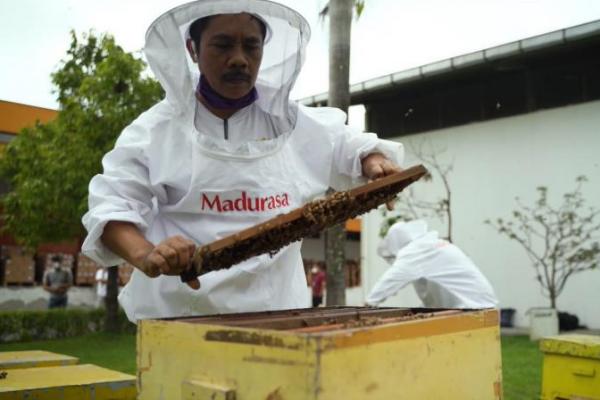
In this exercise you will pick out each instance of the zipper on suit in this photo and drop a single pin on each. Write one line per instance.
(226, 129)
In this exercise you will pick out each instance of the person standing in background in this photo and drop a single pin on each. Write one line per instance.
(57, 281)
(101, 279)
(317, 284)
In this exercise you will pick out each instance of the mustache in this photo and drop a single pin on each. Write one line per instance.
(236, 75)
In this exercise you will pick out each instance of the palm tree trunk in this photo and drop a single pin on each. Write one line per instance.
(340, 23)
(111, 323)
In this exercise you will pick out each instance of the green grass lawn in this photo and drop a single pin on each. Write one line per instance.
(111, 351)
(521, 368)
(522, 361)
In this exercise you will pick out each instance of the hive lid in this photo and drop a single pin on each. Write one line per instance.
(587, 346)
(33, 358)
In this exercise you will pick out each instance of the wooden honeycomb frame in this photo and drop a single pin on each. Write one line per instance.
(315, 216)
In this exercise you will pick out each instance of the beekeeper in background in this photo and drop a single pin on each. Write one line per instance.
(442, 275)
(225, 150)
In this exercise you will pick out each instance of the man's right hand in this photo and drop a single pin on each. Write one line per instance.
(172, 256)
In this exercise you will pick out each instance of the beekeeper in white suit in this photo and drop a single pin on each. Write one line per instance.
(442, 275)
(225, 149)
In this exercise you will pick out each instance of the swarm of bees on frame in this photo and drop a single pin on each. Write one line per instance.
(316, 216)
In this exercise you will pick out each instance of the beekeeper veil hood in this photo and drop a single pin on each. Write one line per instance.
(399, 235)
(283, 54)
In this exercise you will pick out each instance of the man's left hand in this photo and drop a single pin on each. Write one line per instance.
(375, 166)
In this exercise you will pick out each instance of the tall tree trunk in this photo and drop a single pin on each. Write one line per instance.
(552, 295)
(335, 260)
(111, 323)
(340, 23)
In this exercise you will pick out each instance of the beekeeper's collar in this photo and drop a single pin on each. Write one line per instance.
(283, 53)
(399, 235)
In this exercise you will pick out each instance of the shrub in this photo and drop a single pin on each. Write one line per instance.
(51, 324)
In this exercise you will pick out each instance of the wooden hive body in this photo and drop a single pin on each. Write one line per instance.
(323, 354)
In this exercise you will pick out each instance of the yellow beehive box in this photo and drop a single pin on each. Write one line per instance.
(33, 359)
(72, 382)
(323, 354)
(571, 367)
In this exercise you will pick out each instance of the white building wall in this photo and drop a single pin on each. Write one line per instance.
(495, 161)
(36, 298)
(315, 249)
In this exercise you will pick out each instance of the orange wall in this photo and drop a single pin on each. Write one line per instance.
(15, 116)
(353, 225)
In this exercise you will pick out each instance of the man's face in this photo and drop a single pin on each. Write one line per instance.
(230, 53)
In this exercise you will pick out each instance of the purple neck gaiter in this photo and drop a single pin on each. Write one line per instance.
(215, 100)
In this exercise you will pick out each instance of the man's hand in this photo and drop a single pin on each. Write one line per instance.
(375, 166)
(172, 256)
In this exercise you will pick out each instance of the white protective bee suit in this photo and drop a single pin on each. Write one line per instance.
(442, 275)
(180, 170)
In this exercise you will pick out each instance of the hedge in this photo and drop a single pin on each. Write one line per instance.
(16, 326)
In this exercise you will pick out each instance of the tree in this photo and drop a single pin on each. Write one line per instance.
(560, 241)
(410, 206)
(100, 90)
(340, 24)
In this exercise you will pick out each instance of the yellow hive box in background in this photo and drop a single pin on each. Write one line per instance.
(72, 382)
(33, 359)
(323, 354)
(571, 367)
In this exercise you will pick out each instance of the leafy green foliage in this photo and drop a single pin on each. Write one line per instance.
(559, 240)
(359, 7)
(100, 89)
(49, 324)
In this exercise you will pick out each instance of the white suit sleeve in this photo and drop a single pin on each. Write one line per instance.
(121, 193)
(395, 278)
(351, 145)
